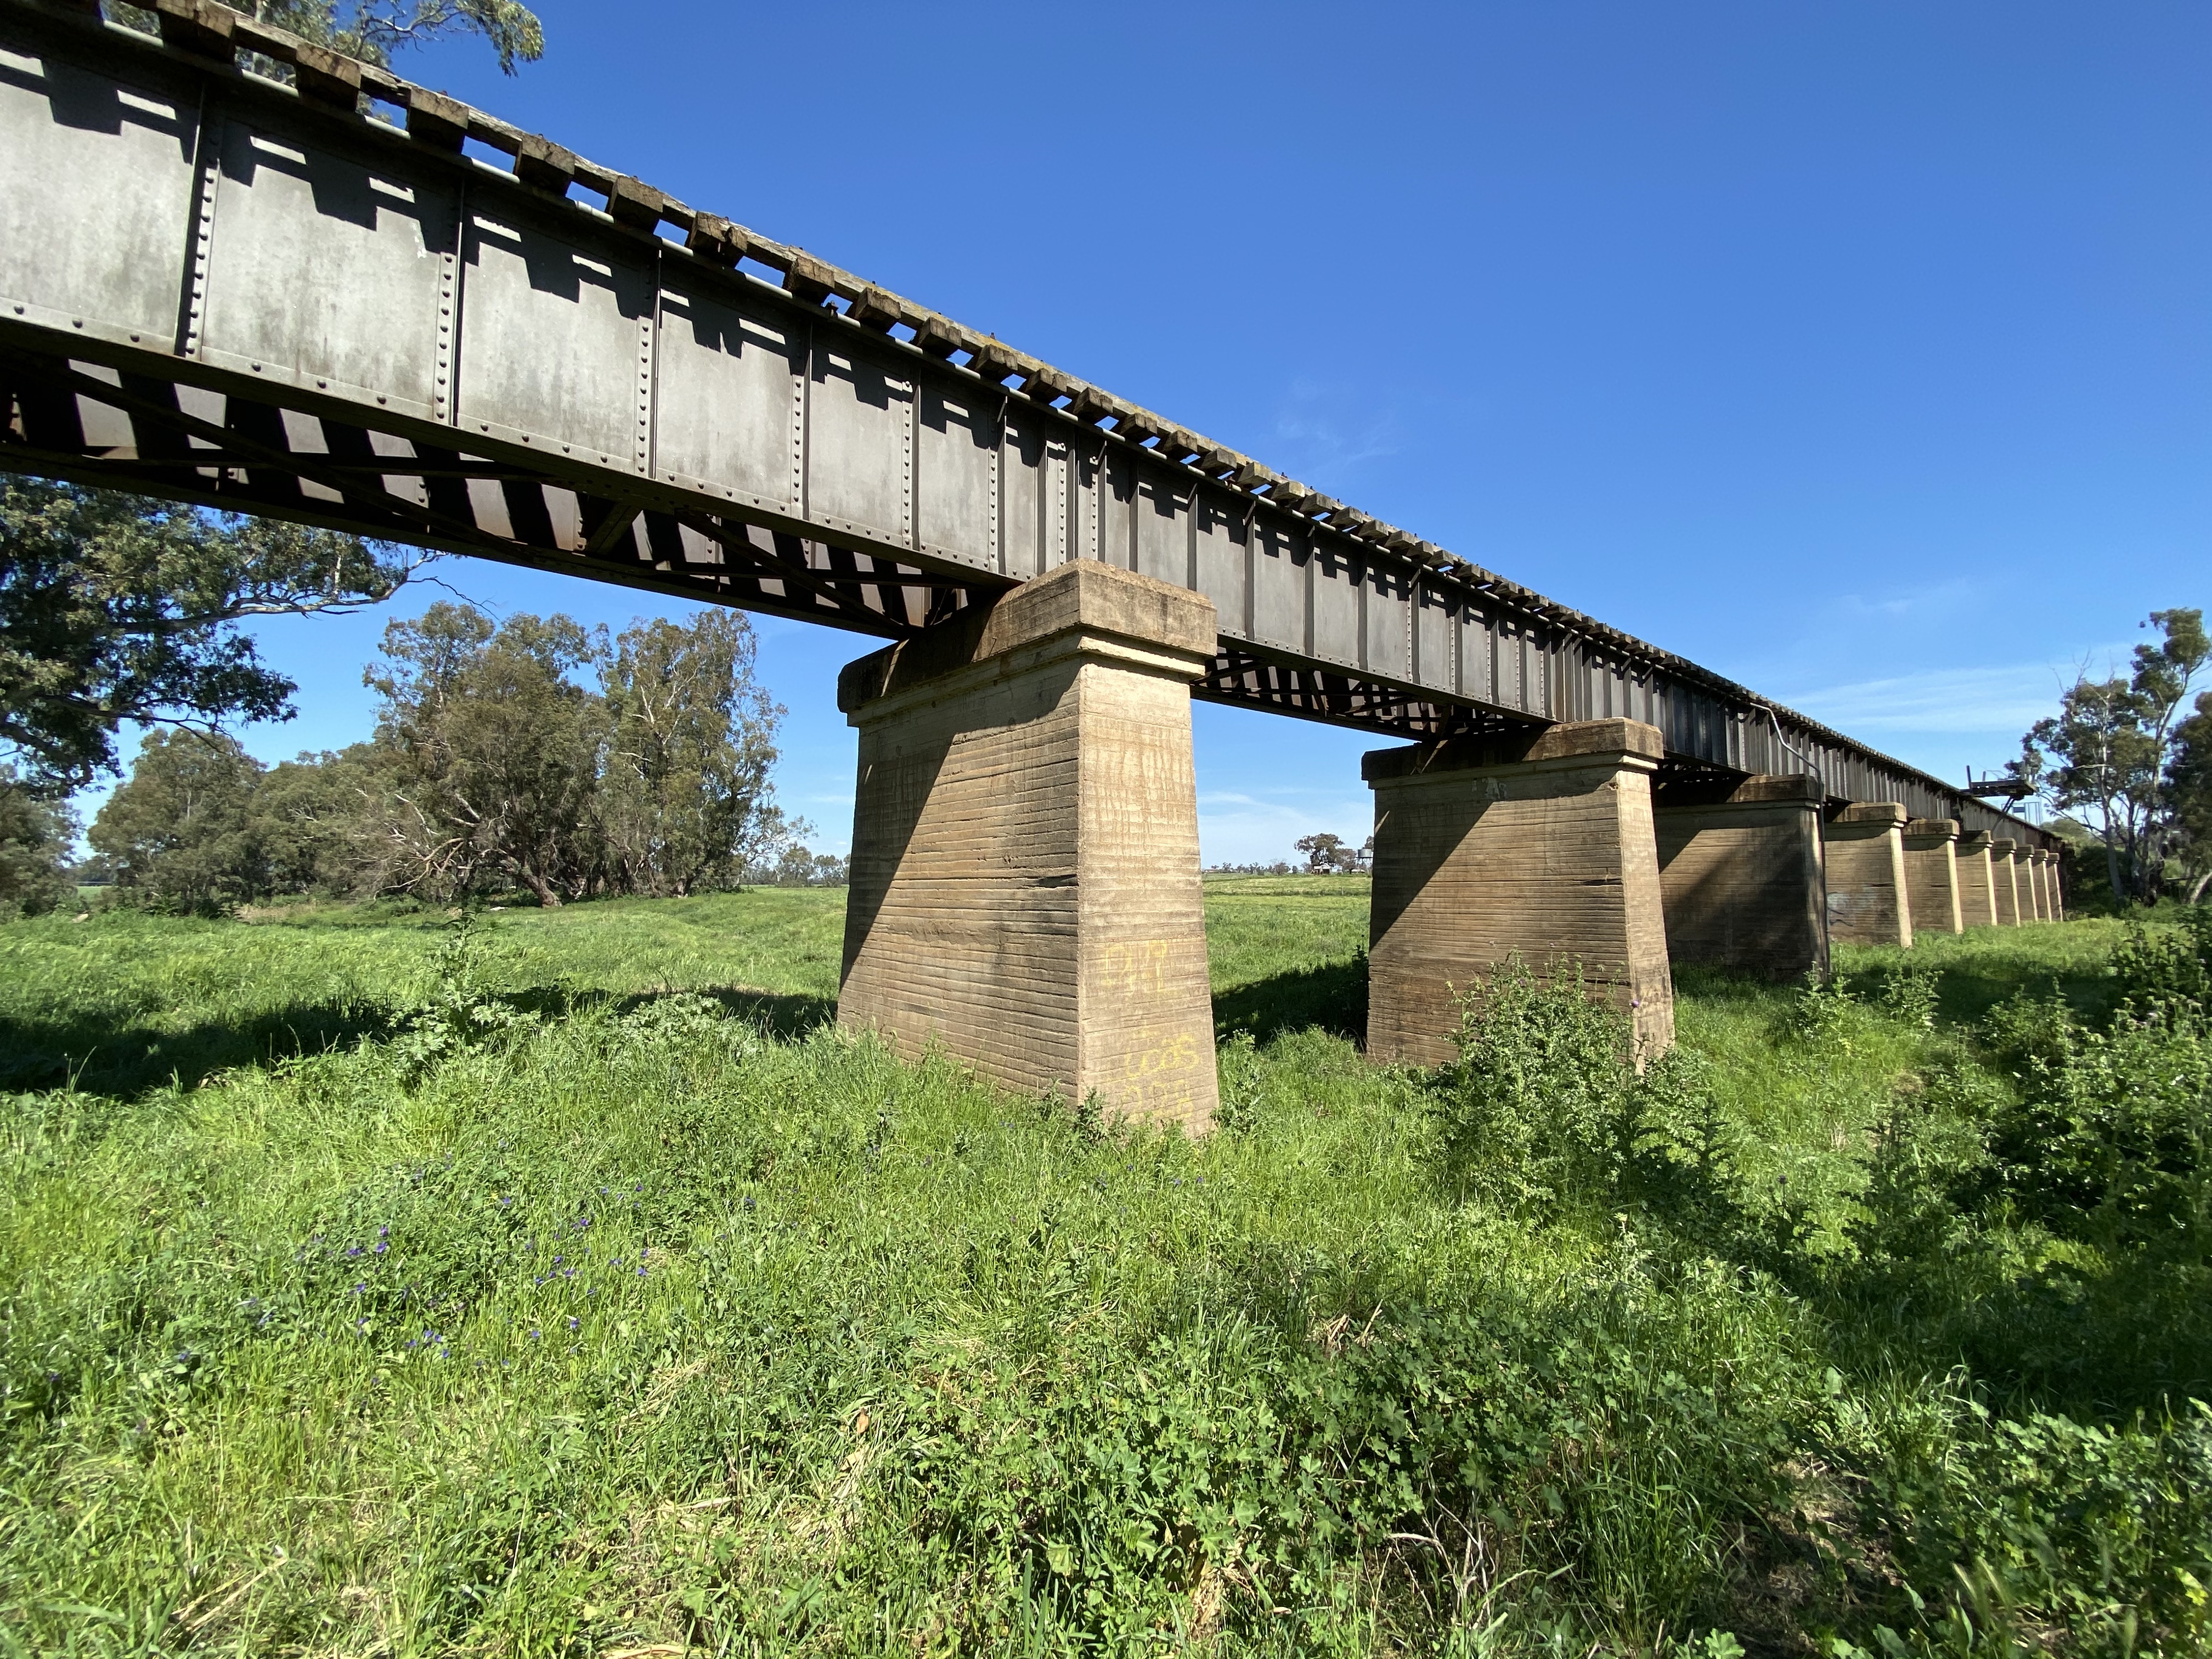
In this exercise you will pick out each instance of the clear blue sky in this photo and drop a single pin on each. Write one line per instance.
(1860, 349)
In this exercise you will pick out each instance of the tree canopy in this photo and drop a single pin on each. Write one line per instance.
(115, 608)
(2115, 755)
(533, 755)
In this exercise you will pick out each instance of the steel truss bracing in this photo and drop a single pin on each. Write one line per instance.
(259, 293)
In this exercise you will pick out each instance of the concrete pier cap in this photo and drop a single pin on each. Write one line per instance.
(1537, 842)
(1025, 871)
(1867, 902)
(1741, 876)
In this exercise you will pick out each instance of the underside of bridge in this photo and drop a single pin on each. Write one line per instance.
(240, 271)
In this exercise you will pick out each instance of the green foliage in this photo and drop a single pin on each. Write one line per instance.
(1542, 1102)
(620, 1315)
(2111, 750)
(683, 801)
(114, 608)
(34, 849)
(182, 835)
(498, 769)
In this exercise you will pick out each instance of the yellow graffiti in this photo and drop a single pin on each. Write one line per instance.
(1138, 964)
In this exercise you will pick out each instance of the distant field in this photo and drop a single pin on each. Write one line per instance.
(573, 1286)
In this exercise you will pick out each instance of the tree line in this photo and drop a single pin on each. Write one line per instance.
(2127, 759)
(534, 756)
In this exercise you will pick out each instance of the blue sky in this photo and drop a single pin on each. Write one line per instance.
(1859, 350)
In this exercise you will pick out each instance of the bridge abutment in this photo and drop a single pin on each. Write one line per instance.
(1867, 901)
(1740, 875)
(1025, 870)
(1537, 844)
(2034, 873)
(1931, 875)
(2004, 880)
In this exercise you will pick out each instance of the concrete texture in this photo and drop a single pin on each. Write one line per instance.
(2004, 880)
(2038, 871)
(1740, 875)
(1867, 902)
(2053, 884)
(1977, 896)
(1931, 875)
(1025, 870)
(1539, 844)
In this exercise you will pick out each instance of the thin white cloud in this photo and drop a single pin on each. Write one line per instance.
(1244, 829)
(2005, 698)
(1315, 440)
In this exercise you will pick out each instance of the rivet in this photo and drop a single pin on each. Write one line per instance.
(257, 368)
(324, 384)
(134, 339)
(380, 398)
(19, 312)
(76, 322)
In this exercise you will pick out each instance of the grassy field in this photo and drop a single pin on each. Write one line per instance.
(568, 1285)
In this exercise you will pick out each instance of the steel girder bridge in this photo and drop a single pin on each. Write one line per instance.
(239, 271)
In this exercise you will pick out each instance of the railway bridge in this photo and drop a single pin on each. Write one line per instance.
(239, 271)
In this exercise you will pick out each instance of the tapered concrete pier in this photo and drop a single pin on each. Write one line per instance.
(1538, 844)
(1931, 875)
(1868, 903)
(1977, 895)
(2004, 880)
(1024, 871)
(1740, 875)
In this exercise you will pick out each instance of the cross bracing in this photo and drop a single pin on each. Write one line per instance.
(340, 298)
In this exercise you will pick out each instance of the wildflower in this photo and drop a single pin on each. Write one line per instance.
(572, 1321)
(381, 1247)
(361, 1287)
(533, 1334)
(640, 1273)
(353, 1251)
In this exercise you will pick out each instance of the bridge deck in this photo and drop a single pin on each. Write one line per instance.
(225, 289)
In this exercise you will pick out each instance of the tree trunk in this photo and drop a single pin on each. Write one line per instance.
(2196, 888)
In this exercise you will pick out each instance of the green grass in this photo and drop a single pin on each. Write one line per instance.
(626, 1304)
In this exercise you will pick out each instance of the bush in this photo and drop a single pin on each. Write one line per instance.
(1541, 1104)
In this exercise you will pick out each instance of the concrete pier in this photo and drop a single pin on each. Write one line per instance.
(1867, 902)
(2038, 876)
(2004, 880)
(2053, 887)
(1978, 897)
(1025, 870)
(1539, 844)
(1740, 876)
(1931, 875)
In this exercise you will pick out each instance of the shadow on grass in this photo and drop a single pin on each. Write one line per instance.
(128, 1060)
(783, 1015)
(1332, 995)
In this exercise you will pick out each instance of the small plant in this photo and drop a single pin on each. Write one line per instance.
(1909, 995)
(463, 1008)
